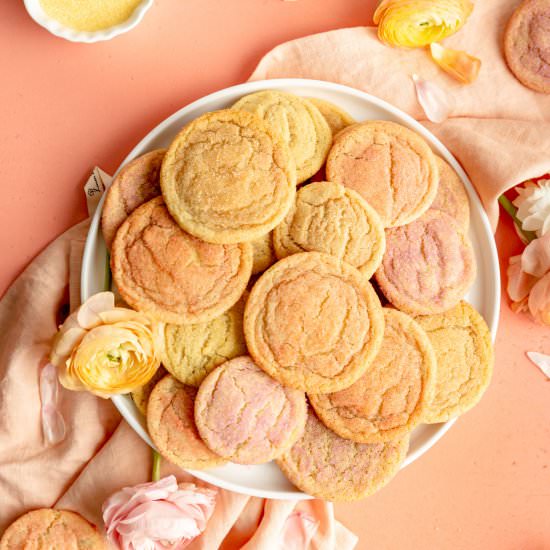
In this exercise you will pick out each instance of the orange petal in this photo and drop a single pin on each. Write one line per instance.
(458, 64)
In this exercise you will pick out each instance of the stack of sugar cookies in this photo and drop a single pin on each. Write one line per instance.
(276, 343)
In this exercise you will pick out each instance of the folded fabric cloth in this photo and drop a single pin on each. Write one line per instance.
(498, 129)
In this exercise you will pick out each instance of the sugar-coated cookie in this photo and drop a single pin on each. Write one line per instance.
(227, 178)
(247, 417)
(390, 166)
(171, 425)
(191, 352)
(313, 322)
(328, 217)
(140, 396)
(462, 344)
(136, 183)
(527, 44)
(390, 399)
(52, 530)
(326, 466)
(177, 278)
(429, 265)
(263, 253)
(336, 118)
(297, 122)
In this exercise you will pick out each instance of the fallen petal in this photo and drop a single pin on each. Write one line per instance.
(432, 99)
(460, 65)
(53, 424)
(541, 361)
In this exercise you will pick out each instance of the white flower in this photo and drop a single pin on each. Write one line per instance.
(533, 203)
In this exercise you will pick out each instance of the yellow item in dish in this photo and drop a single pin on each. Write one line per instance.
(90, 15)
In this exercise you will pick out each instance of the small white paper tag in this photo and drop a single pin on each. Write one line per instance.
(98, 182)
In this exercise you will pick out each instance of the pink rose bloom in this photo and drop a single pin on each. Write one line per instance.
(157, 516)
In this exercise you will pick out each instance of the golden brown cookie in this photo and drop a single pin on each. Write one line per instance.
(175, 277)
(297, 122)
(226, 177)
(336, 118)
(52, 530)
(429, 265)
(263, 253)
(464, 351)
(192, 351)
(136, 183)
(390, 399)
(390, 166)
(247, 417)
(451, 196)
(527, 44)
(326, 466)
(171, 425)
(328, 217)
(140, 396)
(313, 323)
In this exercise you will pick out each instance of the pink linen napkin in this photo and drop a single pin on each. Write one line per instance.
(101, 453)
(498, 130)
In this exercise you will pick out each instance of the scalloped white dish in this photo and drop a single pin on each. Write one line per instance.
(35, 10)
(267, 480)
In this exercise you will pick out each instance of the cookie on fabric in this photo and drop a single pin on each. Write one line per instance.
(390, 166)
(464, 351)
(171, 425)
(191, 352)
(429, 265)
(140, 396)
(227, 178)
(390, 399)
(247, 417)
(336, 118)
(328, 217)
(313, 322)
(263, 254)
(162, 270)
(324, 465)
(452, 198)
(527, 44)
(297, 122)
(136, 183)
(52, 529)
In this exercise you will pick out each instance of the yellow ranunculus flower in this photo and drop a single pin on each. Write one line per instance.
(106, 349)
(417, 23)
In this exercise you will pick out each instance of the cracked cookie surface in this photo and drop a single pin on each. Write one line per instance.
(297, 122)
(191, 352)
(227, 178)
(390, 166)
(263, 254)
(328, 217)
(136, 183)
(326, 466)
(451, 197)
(429, 265)
(171, 425)
(336, 118)
(51, 529)
(464, 352)
(245, 416)
(313, 322)
(140, 396)
(389, 400)
(527, 44)
(175, 277)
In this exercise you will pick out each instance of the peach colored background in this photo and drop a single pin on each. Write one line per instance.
(66, 107)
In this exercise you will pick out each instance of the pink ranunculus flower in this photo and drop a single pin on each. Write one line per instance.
(539, 300)
(157, 516)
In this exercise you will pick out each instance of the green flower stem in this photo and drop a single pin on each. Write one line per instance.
(512, 211)
(155, 475)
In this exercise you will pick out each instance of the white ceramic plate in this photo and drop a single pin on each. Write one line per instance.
(267, 480)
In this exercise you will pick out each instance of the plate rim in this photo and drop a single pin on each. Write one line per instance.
(250, 87)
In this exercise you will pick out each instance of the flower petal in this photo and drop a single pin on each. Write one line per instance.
(535, 259)
(432, 99)
(541, 360)
(460, 65)
(520, 283)
(53, 424)
(64, 343)
(298, 531)
(88, 313)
